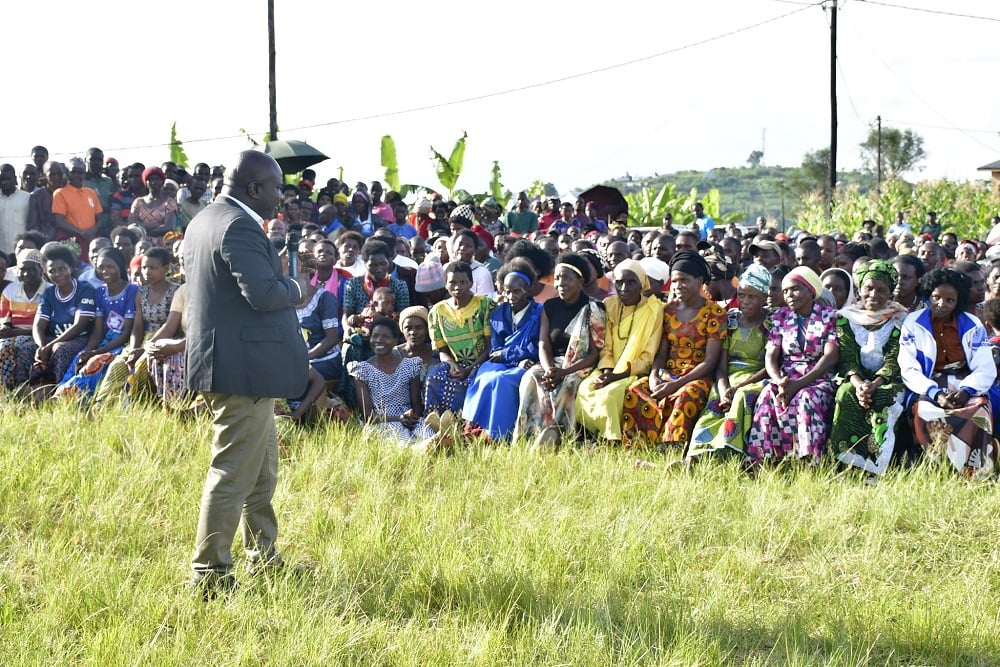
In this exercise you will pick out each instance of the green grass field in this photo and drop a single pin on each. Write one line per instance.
(488, 557)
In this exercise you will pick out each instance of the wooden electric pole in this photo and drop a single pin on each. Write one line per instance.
(833, 107)
(878, 169)
(272, 89)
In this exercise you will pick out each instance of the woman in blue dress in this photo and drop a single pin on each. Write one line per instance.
(492, 398)
(114, 316)
(64, 318)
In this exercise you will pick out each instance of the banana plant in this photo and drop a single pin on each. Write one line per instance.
(450, 168)
(177, 154)
(500, 194)
(390, 163)
(391, 166)
(647, 207)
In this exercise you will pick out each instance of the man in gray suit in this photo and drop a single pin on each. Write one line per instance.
(244, 350)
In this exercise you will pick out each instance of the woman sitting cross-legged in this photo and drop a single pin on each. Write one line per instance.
(460, 331)
(413, 322)
(18, 305)
(571, 335)
(359, 294)
(130, 369)
(634, 328)
(665, 407)
(388, 387)
(793, 412)
(948, 369)
(165, 350)
(869, 402)
(114, 316)
(319, 319)
(740, 374)
(65, 316)
(491, 400)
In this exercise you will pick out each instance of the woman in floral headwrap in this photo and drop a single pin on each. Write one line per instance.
(664, 407)
(793, 412)
(740, 374)
(868, 403)
(634, 326)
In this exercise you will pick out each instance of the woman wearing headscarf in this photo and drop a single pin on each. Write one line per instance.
(664, 407)
(634, 329)
(364, 220)
(115, 314)
(156, 212)
(793, 412)
(838, 288)
(947, 367)
(18, 305)
(491, 400)
(740, 375)
(571, 335)
(869, 401)
(414, 324)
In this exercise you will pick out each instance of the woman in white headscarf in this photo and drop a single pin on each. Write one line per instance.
(634, 325)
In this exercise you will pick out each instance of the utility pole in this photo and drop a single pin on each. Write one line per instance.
(878, 169)
(833, 107)
(782, 206)
(272, 89)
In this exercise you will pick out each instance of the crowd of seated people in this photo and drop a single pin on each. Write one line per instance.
(438, 322)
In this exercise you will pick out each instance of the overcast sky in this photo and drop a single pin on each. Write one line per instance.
(726, 83)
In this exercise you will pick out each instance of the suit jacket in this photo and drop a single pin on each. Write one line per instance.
(242, 332)
(408, 276)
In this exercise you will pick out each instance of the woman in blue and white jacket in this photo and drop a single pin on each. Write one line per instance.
(948, 370)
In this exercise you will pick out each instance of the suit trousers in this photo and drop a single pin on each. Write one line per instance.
(240, 483)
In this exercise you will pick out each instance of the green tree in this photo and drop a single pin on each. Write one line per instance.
(755, 159)
(902, 151)
(813, 174)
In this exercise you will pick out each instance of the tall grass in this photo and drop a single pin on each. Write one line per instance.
(493, 556)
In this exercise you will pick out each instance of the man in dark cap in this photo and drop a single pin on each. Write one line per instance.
(243, 351)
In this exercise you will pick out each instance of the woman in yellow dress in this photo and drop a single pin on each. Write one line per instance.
(634, 326)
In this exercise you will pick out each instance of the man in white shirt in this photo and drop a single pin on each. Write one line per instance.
(901, 226)
(13, 208)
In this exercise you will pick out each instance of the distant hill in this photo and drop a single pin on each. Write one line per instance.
(753, 191)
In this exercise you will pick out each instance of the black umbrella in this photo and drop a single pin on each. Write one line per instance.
(610, 201)
(292, 155)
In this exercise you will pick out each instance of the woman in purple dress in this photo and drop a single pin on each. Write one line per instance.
(793, 414)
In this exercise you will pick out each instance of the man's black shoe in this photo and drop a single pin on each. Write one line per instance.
(212, 584)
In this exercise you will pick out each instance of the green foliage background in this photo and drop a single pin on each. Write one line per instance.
(964, 207)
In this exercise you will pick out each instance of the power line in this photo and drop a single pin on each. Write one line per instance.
(941, 127)
(847, 90)
(930, 11)
(498, 93)
(916, 94)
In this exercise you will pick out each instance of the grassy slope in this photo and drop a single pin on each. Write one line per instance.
(490, 557)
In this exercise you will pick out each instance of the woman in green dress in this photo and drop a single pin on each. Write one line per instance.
(869, 401)
(740, 375)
